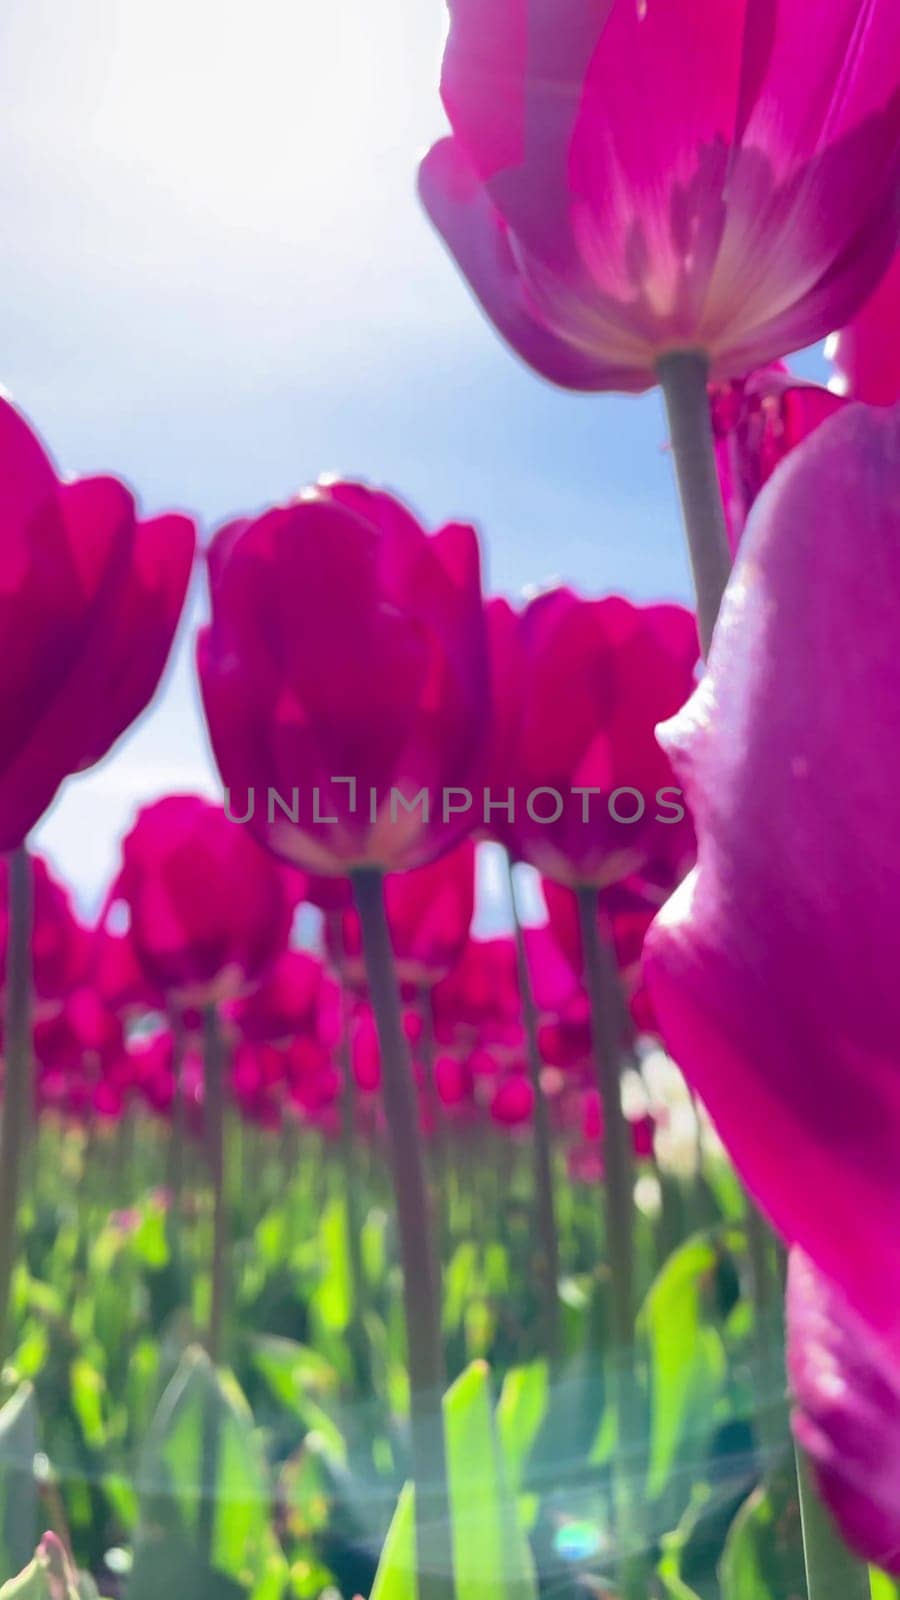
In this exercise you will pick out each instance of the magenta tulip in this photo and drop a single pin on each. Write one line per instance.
(344, 673)
(628, 180)
(286, 1002)
(757, 421)
(579, 685)
(773, 969)
(429, 914)
(210, 911)
(60, 946)
(867, 350)
(89, 601)
(846, 1389)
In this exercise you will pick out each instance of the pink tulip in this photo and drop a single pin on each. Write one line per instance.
(285, 1003)
(757, 421)
(867, 350)
(429, 914)
(773, 969)
(579, 686)
(89, 601)
(345, 668)
(846, 1389)
(626, 180)
(512, 1103)
(60, 945)
(478, 1002)
(210, 911)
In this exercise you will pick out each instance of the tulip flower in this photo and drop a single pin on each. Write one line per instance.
(91, 598)
(757, 421)
(429, 914)
(478, 1002)
(847, 1412)
(772, 969)
(512, 1103)
(628, 180)
(285, 1003)
(344, 673)
(643, 191)
(209, 910)
(579, 686)
(60, 946)
(345, 684)
(866, 352)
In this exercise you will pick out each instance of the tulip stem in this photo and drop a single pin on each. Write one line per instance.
(683, 377)
(766, 1307)
(421, 1277)
(214, 1103)
(545, 1205)
(214, 1118)
(357, 1336)
(606, 1029)
(17, 1102)
(832, 1571)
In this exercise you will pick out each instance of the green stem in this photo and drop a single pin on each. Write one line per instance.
(357, 1337)
(832, 1571)
(768, 1339)
(605, 1005)
(544, 1202)
(421, 1279)
(214, 1103)
(177, 1136)
(214, 1116)
(18, 1091)
(683, 376)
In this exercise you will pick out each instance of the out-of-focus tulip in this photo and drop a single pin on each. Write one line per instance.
(773, 970)
(60, 945)
(453, 1081)
(630, 179)
(285, 1003)
(429, 914)
(512, 1103)
(478, 1002)
(209, 910)
(867, 350)
(846, 1387)
(89, 601)
(757, 421)
(344, 673)
(579, 686)
(118, 975)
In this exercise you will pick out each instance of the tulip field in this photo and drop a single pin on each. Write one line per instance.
(458, 1158)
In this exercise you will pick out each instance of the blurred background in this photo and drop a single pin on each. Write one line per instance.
(217, 282)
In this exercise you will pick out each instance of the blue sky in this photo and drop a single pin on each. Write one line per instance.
(217, 282)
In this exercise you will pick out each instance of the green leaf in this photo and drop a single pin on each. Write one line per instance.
(202, 1443)
(882, 1587)
(687, 1359)
(520, 1411)
(396, 1575)
(763, 1555)
(333, 1299)
(491, 1553)
(292, 1369)
(18, 1490)
(150, 1240)
(88, 1393)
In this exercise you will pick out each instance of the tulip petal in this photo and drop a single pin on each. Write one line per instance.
(773, 969)
(847, 1414)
